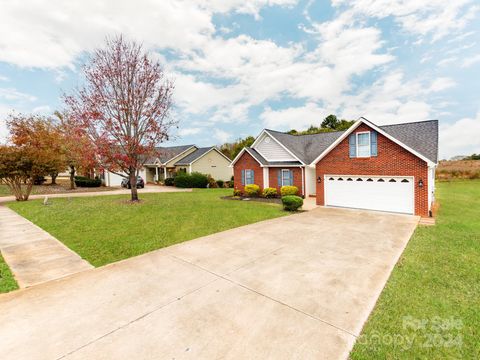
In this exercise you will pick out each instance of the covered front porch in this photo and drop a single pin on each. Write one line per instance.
(155, 173)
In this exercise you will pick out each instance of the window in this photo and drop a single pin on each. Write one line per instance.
(249, 177)
(363, 144)
(287, 177)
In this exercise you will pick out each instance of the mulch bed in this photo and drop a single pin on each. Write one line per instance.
(259, 199)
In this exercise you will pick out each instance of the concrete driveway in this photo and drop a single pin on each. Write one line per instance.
(298, 287)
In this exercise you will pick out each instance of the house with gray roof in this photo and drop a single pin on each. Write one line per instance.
(170, 160)
(385, 168)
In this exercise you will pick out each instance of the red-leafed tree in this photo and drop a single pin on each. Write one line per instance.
(124, 107)
(78, 148)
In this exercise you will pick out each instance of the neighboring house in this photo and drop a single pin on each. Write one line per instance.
(171, 160)
(386, 168)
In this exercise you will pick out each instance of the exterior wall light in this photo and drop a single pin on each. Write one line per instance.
(319, 179)
(420, 183)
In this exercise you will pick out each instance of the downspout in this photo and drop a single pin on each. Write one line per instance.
(303, 182)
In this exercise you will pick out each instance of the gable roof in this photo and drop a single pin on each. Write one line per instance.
(165, 154)
(421, 138)
(197, 154)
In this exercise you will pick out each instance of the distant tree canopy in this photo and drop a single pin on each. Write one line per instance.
(231, 150)
(473, 157)
(330, 123)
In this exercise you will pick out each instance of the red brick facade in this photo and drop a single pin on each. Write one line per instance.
(245, 162)
(297, 178)
(392, 160)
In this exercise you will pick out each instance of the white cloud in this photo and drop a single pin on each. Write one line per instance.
(298, 118)
(469, 61)
(222, 136)
(11, 94)
(52, 33)
(3, 78)
(437, 18)
(441, 84)
(460, 138)
(189, 131)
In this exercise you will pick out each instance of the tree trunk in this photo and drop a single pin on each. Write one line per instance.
(54, 178)
(133, 185)
(72, 177)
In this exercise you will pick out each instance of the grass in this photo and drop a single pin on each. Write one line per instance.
(7, 282)
(430, 308)
(106, 229)
(458, 169)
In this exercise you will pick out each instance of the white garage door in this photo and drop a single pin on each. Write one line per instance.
(383, 193)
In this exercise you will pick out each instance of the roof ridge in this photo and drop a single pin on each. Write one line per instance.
(410, 122)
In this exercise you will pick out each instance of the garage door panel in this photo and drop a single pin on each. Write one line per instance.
(394, 194)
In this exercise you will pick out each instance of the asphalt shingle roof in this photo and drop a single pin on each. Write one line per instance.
(263, 161)
(420, 136)
(167, 153)
(187, 160)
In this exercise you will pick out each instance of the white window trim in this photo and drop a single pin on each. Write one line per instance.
(289, 176)
(369, 144)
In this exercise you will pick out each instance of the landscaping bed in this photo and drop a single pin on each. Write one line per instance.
(259, 199)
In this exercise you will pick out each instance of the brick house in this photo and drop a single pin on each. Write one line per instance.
(386, 168)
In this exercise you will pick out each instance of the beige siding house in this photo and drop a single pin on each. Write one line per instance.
(173, 159)
(208, 160)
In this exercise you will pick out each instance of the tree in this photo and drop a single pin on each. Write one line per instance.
(330, 123)
(78, 148)
(123, 107)
(41, 136)
(231, 150)
(18, 166)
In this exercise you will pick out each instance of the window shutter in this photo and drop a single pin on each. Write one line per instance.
(373, 143)
(252, 174)
(243, 177)
(353, 145)
(290, 175)
(279, 178)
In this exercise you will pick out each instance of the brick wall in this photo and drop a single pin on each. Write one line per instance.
(297, 178)
(245, 162)
(392, 160)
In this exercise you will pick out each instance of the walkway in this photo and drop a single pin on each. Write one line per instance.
(33, 255)
(147, 189)
(295, 287)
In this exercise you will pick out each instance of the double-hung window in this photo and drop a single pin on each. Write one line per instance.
(363, 144)
(287, 177)
(249, 177)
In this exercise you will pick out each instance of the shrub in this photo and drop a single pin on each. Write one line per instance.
(39, 180)
(182, 181)
(292, 202)
(237, 192)
(81, 181)
(288, 190)
(220, 183)
(270, 192)
(169, 181)
(252, 190)
(230, 184)
(199, 180)
(194, 180)
(211, 182)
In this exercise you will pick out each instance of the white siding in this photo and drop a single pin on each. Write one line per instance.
(310, 181)
(271, 150)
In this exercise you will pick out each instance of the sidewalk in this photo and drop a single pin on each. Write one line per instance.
(147, 189)
(33, 255)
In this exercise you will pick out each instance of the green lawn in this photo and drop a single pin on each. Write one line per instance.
(7, 282)
(106, 229)
(430, 308)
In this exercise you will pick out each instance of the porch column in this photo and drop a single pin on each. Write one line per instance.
(156, 173)
(164, 173)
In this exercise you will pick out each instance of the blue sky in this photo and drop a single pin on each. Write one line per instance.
(242, 65)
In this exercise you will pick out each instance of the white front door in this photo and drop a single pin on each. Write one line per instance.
(383, 193)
